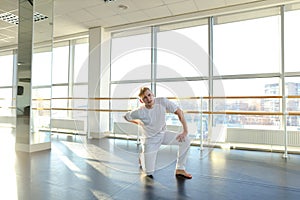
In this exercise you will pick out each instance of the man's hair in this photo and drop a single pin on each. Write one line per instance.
(143, 90)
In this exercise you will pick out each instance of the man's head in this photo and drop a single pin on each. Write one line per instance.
(146, 97)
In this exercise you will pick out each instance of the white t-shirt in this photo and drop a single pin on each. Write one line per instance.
(153, 119)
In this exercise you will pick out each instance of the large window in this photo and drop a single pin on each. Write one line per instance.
(248, 47)
(60, 79)
(80, 79)
(180, 62)
(130, 69)
(243, 89)
(6, 83)
(69, 88)
(41, 80)
(137, 59)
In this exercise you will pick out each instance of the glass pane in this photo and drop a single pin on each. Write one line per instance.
(292, 41)
(60, 64)
(41, 68)
(127, 90)
(184, 97)
(6, 70)
(6, 102)
(6, 93)
(80, 91)
(247, 47)
(41, 105)
(59, 92)
(124, 91)
(248, 87)
(293, 102)
(187, 57)
(182, 89)
(80, 102)
(44, 93)
(131, 58)
(292, 86)
(81, 63)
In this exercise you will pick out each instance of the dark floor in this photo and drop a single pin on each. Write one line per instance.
(75, 169)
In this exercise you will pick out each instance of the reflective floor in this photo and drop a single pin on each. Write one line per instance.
(108, 169)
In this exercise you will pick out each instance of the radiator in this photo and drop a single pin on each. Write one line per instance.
(67, 125)
(260, 136)
(126, 128)
(8, 121)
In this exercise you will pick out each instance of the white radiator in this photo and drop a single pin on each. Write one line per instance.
(126, 128)
(260, 136)
(67, 125)
(8, 121)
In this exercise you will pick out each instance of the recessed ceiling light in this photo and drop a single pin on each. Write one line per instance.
(123, 7)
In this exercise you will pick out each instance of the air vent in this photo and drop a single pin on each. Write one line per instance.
(14, 19)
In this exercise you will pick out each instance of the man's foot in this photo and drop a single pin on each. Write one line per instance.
(180, 173)
(149, 176)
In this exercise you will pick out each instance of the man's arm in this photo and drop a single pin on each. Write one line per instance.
(135, 121)
(181, 118)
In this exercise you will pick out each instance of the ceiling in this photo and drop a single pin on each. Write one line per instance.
(77, 16)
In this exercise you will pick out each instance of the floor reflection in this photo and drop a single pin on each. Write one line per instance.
(8, 179)
(108, 169)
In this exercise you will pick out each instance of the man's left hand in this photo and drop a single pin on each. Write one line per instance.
(181, 137)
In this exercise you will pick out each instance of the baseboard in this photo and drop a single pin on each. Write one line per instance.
(30, 148)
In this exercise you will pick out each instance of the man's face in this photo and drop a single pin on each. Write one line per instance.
(148, 99)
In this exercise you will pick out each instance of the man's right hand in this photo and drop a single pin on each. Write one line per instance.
(138, 122)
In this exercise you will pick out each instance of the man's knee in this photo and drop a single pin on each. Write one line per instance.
(186, 142)
(187, 139)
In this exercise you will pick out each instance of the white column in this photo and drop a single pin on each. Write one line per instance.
(98, 85)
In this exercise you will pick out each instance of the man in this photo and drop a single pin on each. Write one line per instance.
(151, 116)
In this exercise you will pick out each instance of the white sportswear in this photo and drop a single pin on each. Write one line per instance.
(155, 133)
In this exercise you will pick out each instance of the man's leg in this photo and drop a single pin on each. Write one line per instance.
(148, 157)
(183, 148)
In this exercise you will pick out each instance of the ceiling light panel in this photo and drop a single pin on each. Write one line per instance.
(9, 17)
(14, 19)
(39, 17)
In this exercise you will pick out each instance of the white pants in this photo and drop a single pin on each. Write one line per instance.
(151, 146)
